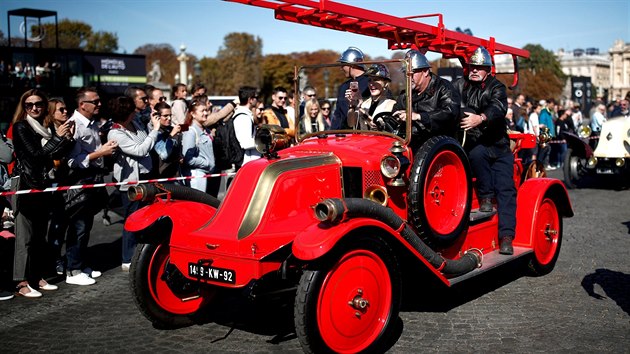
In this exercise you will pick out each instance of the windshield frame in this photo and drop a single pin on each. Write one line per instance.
(405, 64)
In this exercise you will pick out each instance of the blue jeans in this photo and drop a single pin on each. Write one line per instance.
(77, 239)
(128, 238)
(494, 168)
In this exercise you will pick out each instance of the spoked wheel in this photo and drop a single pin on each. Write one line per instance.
(440, 194)
(547, 238)
(573, 169)
(350, 306)
(161, 292)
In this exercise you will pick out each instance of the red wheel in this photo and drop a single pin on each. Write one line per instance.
(445, 192)
(440, 190)
(547, 237)
(161, 292)
(350, 307)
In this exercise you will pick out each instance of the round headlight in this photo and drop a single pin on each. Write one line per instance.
(592, 161)
(620, 162)
(390, 166)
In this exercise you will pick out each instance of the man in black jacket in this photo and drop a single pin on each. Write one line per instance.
(434, 102)
(487, 142)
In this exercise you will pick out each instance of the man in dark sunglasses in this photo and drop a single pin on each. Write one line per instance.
(141, 100)
(155, 96)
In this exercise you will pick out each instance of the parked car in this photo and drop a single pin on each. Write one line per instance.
(603, 154)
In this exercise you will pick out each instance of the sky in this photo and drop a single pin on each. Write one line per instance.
(201, 25)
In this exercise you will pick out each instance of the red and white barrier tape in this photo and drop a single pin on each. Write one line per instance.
(112, 184)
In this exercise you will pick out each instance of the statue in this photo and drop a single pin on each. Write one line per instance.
(156, 73)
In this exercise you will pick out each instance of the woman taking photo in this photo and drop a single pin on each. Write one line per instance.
(133, 162)
(57, 116)
(168, 145)
(35, 149)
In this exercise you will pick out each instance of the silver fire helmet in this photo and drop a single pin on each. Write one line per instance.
(351, 55)
(418, 60)
(480, 57)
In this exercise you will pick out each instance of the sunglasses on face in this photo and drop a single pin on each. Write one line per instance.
(63, 109)
(30, 105)
(311, 95)
(144, 99)
(162, 99)
(166, 116)
(325, 108)
(94, 102)
(282, 98)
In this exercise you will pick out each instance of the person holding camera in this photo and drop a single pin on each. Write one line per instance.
(87, 164)
(168, 146)
(133, 161)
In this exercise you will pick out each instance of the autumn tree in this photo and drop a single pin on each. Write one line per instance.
(165, 54)
(540, 75)
(77, 35)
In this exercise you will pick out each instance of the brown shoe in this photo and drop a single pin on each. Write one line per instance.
(506, 245)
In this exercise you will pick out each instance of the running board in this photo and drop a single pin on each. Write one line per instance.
(477, 216)
(492, 260)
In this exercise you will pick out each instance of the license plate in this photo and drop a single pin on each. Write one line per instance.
(212, 273)
(605, 171)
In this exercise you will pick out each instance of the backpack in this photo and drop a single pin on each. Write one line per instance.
(227, 149)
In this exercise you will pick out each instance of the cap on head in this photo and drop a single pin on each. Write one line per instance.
(480, 57)
(379, 71)
(418, 60)
(351, 55)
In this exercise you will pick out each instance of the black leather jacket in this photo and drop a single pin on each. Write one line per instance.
(438, 106)
(488, 97)
(34, 161)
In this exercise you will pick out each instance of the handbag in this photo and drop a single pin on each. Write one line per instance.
(90, 200)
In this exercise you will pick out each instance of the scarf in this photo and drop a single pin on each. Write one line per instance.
(39, 129)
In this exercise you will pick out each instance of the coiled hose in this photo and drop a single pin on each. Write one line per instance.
(336, 210)
(147, 192)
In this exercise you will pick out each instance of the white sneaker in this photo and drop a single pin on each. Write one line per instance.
(92, 273)
(125, 267)
(80, 279)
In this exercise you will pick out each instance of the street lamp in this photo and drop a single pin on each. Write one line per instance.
(326, 77)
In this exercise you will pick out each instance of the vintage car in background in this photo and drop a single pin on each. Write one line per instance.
(603, 154)
(333, 218)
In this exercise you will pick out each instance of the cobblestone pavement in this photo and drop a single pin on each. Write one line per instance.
(582, 306)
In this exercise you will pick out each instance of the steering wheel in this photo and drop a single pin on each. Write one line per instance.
(388, 123)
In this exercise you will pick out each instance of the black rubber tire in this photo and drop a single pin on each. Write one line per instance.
(312, 281)
(569, 180)
(141, 278)
(417, 214)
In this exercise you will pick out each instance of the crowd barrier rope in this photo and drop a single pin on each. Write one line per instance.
(112, 184)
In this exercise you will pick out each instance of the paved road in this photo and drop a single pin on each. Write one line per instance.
(582, 306)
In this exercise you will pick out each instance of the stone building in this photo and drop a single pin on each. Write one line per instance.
(619, 70)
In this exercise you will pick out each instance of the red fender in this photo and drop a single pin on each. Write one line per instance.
(183, 220)
(529, 197)
(318, 239)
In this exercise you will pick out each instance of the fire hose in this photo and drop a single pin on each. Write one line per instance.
(337, 210)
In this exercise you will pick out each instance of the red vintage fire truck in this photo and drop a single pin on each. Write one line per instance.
(334, 216)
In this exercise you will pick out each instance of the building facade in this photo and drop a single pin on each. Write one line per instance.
(619, 70)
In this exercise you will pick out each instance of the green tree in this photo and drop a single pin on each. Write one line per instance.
(77, 35)
(240, 58)
(103, 42)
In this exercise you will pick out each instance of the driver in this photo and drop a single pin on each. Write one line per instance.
(489, 151)
(366, 115)
(434, 102)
